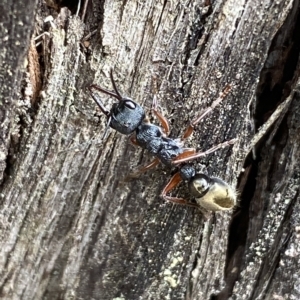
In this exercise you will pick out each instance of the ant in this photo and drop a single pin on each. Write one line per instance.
(128, 117)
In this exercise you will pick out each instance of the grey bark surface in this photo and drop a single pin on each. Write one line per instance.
(70, 228)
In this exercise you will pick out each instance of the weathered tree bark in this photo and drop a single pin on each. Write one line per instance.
(70, 228)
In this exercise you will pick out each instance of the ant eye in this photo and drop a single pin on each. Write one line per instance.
(129, 104)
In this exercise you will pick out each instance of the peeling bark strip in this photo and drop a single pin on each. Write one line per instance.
(71, 229)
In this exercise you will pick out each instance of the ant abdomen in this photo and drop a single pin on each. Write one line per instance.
(212, 193)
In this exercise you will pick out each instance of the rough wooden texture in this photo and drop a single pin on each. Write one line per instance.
(70, 228)
(16, 23)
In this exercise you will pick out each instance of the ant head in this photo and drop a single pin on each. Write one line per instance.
(125, 115)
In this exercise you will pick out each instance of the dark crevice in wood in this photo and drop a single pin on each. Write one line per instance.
(279, 68)
(161, 14)
(277, 170)
(240, 221)
(10, 160)
(197, 30)
(3, 162)
(3, 294)
(274, 80)
(238, 232)
(42, 69)
(124, 2)
(94, 25)
(70, 4)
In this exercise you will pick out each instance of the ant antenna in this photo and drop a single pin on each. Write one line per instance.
(103, 109)
(114, 85)
(115, 94)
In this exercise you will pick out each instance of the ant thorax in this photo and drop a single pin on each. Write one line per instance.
(152, 138)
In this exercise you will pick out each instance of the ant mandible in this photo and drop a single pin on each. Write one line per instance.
(126, 116)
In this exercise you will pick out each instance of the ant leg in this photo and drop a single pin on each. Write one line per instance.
(174, 181)
(181, 158)
(194, 122)
(133, 141)
(151, 165)
(164, 122)
(187, 152)
(103, 110)
(98, 100)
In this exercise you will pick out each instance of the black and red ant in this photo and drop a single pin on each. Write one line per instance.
(127, 117)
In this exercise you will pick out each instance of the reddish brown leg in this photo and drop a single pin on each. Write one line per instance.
(174, 181)
(164, 122)
(194, 122)
(179, 160)
(187, 153)
(142, 170)
(133, 140)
